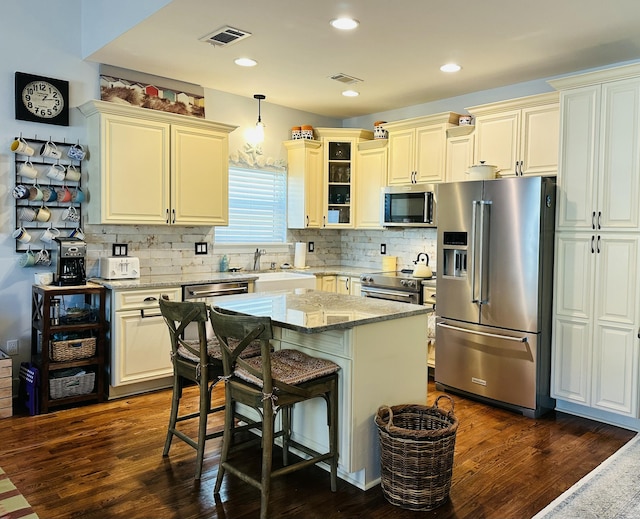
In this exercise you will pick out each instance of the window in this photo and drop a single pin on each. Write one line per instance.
(257, 207)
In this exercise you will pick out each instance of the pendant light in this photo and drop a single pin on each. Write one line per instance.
(259, 135)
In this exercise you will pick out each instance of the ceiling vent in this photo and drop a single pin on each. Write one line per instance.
(225, 36)
(343, 78)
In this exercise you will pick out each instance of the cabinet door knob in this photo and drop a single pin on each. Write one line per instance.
(592, 242)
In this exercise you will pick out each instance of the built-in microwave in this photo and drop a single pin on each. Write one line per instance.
(409, 206)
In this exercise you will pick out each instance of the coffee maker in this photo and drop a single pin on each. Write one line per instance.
(71, 254)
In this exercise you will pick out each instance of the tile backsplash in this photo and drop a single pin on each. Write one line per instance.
(171, 250)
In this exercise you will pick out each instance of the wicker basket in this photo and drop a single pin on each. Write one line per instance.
(73, 349)
(75, 385)
(416, 454)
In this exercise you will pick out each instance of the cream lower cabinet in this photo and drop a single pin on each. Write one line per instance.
(151, 167)
(304, 184)
(140, 357)
(417, 149)
(599, 178)
(520, 136)
(327, 283)
(371, 177)
(595, 341)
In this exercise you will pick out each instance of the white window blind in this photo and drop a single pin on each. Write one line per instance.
(257, 207)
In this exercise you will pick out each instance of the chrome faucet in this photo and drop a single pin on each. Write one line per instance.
(256, 258)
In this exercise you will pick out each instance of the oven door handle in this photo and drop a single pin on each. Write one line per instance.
(388, 296)
(484, 334)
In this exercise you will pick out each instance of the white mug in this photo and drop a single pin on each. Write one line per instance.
(50, 234)
(28, 170)
(43, 257)
(21, 147)
(21, 235)
(56, 172)
(49, 149)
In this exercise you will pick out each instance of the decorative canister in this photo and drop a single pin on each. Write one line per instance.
(464, 120)
(307, 131)
(296, 132)
(378, 130)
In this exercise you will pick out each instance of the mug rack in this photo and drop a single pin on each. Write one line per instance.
(57, 207)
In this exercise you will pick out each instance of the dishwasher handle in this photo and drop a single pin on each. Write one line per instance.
(217, 292)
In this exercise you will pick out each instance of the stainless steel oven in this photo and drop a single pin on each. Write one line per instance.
(392, 286)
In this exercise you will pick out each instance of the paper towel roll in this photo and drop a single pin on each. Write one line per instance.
(300, 255)
(389, 263)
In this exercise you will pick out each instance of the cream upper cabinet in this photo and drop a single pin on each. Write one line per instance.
(520, 136)
(417, 149)
(460, 146)
(340, 147)
(596, 320)
(371, 176)
(304, 184)
(599, 178)
(151, 167)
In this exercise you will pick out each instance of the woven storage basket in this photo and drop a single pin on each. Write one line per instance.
(71, 386)
(73, 349)
(416, 454)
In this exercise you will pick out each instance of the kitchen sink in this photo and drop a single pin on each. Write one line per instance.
(283, 281)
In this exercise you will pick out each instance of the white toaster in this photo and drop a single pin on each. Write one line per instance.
(120, 267)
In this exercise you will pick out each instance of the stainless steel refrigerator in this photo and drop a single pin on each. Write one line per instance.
(495, 282)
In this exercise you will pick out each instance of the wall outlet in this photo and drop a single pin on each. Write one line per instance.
(201, 247)
(383, 248)
(119, 249)
(12, 347)
(311, 247)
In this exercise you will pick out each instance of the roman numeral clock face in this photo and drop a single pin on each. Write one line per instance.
(42, 99)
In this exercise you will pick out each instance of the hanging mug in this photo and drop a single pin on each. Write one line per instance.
(21, 192)
(78, 196)
(28, 259)
(56, 172)
(28, 214)
(43, 257)
(71, 214)
(44, 214)
(77, 233)
(49, 194)
(27, 170)
(21, 147)
(35, 193)
(76, 152)
(22, 235)
(64, 194)
(50, 234)
(49, 149)
(72, 173)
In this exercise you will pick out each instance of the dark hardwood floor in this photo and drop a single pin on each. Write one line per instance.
(105, 461)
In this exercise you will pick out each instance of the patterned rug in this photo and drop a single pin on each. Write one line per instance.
(12, 504)
(610, 491)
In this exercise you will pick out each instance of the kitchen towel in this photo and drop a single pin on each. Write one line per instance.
(300, 255)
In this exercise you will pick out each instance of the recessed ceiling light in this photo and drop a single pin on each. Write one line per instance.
(450, 67)
(344, 23)
(350, 93)
(246, 62)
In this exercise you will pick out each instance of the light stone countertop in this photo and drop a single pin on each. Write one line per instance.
(315, 311)
(174, 280)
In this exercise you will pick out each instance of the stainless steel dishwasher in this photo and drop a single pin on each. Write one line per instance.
(208, 292)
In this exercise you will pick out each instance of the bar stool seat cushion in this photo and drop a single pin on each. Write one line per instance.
(213, 349)
(289, 366)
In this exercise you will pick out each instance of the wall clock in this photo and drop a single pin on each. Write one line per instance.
(42, 99)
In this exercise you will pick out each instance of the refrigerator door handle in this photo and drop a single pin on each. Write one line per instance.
(484, 334)
(484, 205)
(474, 299)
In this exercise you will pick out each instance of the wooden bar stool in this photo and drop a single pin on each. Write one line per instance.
(273, 381)
(196, 361)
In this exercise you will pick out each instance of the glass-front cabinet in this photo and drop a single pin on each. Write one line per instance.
(340, 152)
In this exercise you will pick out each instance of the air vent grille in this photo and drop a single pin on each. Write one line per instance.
(225, 36)
(344, 78)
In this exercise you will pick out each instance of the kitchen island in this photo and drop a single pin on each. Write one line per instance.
(381, 348)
